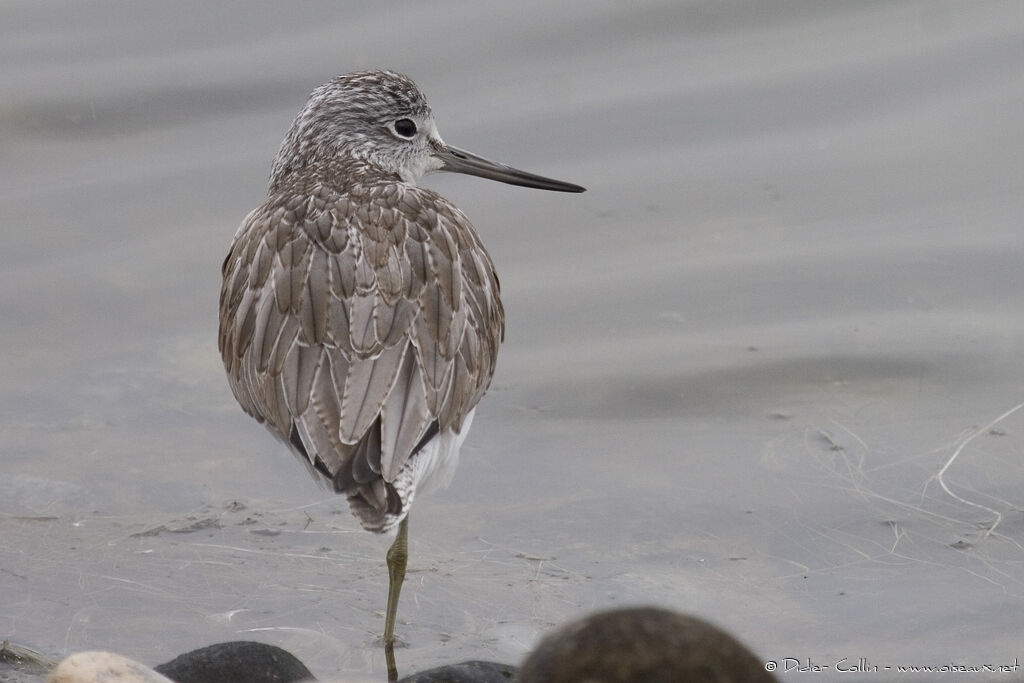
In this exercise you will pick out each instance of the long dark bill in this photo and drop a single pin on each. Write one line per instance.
(460, 161)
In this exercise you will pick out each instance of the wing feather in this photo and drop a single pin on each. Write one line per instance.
(325, 404)
(362, 336)
(286, 338)
(367, 384)
(317, 291)
(404, 417)
(269, 319)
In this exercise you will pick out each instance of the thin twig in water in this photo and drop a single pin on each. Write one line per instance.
(940, 476)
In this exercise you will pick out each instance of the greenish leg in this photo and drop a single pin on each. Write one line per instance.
(398, 556)
(389, 655)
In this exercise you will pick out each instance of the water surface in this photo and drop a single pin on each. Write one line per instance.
(733, 368)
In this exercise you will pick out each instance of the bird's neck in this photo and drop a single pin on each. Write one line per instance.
(347, 177)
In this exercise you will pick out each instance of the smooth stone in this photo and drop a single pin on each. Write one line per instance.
(465, 672)
(641, 645)
(103, 667)
(239, 661)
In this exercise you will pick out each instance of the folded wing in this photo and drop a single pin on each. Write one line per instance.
(356, 332)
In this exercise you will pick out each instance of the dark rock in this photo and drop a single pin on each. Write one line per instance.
(236, 662)
(465, 672)
(641, 645)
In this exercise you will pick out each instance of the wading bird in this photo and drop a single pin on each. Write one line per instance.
(360, 315)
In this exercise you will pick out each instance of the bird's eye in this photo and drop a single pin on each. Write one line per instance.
(405, 127)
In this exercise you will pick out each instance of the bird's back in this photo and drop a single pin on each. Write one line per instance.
(360, 323)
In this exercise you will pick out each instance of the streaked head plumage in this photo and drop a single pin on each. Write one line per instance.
(378, 121)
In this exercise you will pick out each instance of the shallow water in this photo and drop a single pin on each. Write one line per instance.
(733, 369)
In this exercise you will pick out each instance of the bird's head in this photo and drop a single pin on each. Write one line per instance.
(379, 123)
